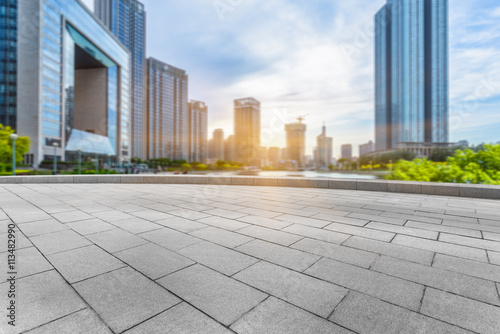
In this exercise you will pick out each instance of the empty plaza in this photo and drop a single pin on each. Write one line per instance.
(166, 258)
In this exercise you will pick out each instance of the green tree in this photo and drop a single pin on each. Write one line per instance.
(22, 146)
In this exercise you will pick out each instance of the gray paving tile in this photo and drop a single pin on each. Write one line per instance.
(341, 219)
(81, 322)
(71, 216)
(444, 228)
(467, 286)
(277, 237)
(441, 247)
(181, 224)
(180, 319)
(360, 232)
(41, 298)
(219, 258)
(336, 252)
(260, 213)
(467, 267)
(153, 261)
(283, 256)
(21, 241)
(225, 213)
(111, 215)
(311, 294)
(494, 258)
(59, 242)
(82, 263)
(224, 223)
(124, 298)
(151, 215)
(29, 261)
(219, 296)
(460, 311)
(404, 230)
(136, 225)
(221, 237)
(57, 208)
(90, 226)
(189, 214)
(491, 236)
(388, 288)
(405, 217)
(472, 226)
(317, 233)
(42, 227)
(116, 240)
(367, 315)
(450, 217)
(265, 222)
(471, 242)
(170, 239)
(277, 317)
(318, 223)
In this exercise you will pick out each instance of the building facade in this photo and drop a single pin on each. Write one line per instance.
(323, 157)
(411, 72)
(296, 143)
(197, 131)
(366, 148)
(346, 151)
(247, 130)
(127, 21)
(8, 62)
(72, 83)
(167, 111)
(229, 149)
(218, 146)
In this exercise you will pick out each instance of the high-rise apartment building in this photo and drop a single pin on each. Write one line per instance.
(8, 62)
(197, 131)
(411, 72)
(324, 150)
(167, 111)
(72, 82)
(229, 149)
(366, 148)
(296, 143)
(126, 19)
(247, 130)
(346, 151)
(218, 143)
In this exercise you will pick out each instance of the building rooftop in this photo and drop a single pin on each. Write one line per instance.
(125, 258)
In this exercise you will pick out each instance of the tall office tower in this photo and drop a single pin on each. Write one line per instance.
(8, 62)
(296, 142)
(247, 130)
(229, 149)
(366, 148)
(218, 144)
(197, 131)
(325, 150)
(346, 151)
(273, 154)
(126, 19)
(72, 83)
(167, 111)
(411, 72)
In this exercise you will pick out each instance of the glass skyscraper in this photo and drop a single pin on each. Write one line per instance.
(72, 82)
(247, 130)
(8, 62)
(167, 116)
(411, 72)
(127, 20)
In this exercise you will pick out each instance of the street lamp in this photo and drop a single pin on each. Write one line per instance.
(109, 163)
(79, 161)
(14, 137)
(96, 163)
(56, 145)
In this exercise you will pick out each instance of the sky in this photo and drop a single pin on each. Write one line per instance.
(315, 59)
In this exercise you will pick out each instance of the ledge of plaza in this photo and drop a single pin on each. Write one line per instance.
(425, 188)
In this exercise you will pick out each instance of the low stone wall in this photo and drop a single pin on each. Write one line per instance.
(426, 188)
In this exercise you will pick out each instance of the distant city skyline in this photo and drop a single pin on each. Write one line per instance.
(305, 69)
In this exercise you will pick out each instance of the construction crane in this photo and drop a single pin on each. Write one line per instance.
(302, 118)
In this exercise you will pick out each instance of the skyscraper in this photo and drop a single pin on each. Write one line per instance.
(247, 130)
(366, 148)
(218, 145)
(167, 114)
(325, 150)
(72, 83)
(296, 142)
(229, 150)
(8, 62)
(127, 20)
(346, 150)
(197, 131)
(411, 72)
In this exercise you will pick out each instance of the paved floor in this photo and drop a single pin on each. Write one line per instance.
(225, 259)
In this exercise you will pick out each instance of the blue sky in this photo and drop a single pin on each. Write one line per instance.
(315, 58)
